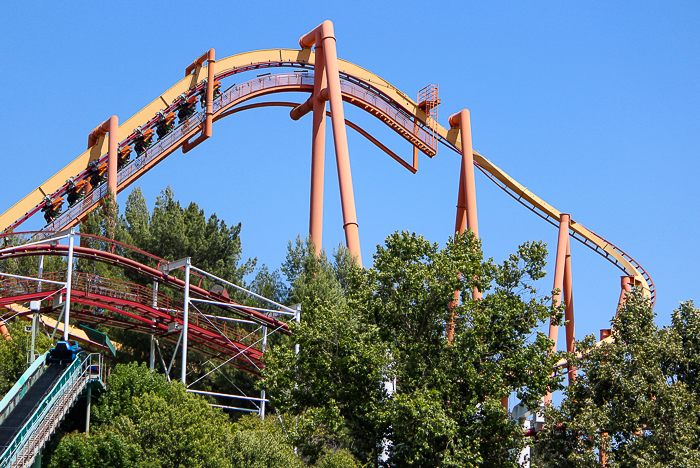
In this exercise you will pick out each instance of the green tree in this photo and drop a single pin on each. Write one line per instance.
(333, 386)
(446, 410)
(262, 444)
(635, 399)
(145, 422)
(172, 232)
(14, 352)
(105, 448)
(146, 417)
(390, 324)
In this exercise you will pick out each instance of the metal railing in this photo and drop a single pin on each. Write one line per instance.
(20, 387)
(575, 235)
(48, 415)
(130, 293)
(407, 125)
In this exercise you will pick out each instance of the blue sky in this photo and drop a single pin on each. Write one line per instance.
(594, 106)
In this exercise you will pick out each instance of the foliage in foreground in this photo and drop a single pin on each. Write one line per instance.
(388, 324)
(144, 421)
(636, 399)
(14, 352)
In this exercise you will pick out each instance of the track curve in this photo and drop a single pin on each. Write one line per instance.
(360, 87)
(120, 304)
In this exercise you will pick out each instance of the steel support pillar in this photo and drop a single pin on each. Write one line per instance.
(152, 360)
(35, 315)
(560, 266)
(466, 198)
(87, 412)
(297, 318)
(324, 37)
(110, 127)
(185, 321)
(318, 151)
(626, 284)
(262, 392)
(210, 58)
(569, 312)
(69, 277)
(112, 156)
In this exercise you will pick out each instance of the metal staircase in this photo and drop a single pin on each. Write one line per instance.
(55, 397)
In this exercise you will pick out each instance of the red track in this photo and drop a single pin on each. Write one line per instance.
(125, 305)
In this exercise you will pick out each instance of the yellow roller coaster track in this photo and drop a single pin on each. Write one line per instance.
(360, 87)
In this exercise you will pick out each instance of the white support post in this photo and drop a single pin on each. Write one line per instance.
(87, 412)
(262, 392)
(34, 306)
(155, 294)
(35, 315)
(185, 320)
(152, 361)
(69, 276)
(297, 317)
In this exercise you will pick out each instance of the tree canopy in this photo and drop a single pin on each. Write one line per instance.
(389, 325)
(397, 364)
(636, 400)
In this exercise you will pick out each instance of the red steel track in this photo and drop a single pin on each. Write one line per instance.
(125, 305)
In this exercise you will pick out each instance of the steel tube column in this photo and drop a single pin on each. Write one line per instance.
(210, 58)
(185, 322)
(35, 315)
(262, 392)
(110, 127)
(559, 268)
(466, 198)
(318, 150)
(467, 188)
(87, 411)
(626, 283)
(569, 312)
(69, 277)
(152, 360)
(324, 36)
(297, 318)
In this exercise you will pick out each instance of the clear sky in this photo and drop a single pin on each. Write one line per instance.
(594, 106)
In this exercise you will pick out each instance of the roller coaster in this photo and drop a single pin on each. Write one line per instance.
(118, 154)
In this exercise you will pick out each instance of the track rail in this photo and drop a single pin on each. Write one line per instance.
(359, 87)
(129, 306)
(125, 305)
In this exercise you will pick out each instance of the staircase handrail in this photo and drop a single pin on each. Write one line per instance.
(75, 377)
(10, 400)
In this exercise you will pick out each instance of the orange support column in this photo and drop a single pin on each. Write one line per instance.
(466, 199)
(569, 313)
(210, 58)
(5, 332)
(560, 266)
(626, 283)
(324, 36)
(467, 183)
(318, 151)
(111, 127)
